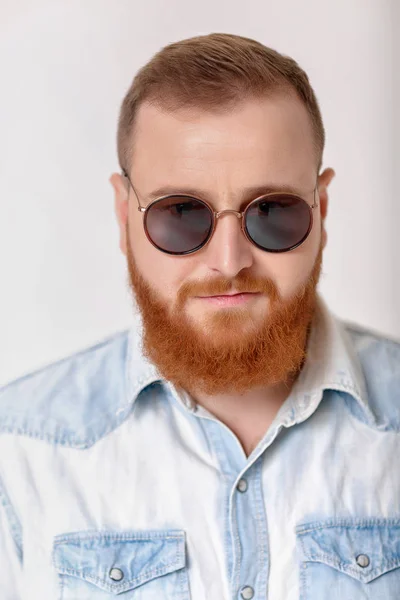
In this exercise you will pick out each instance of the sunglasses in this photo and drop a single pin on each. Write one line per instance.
(179, 224)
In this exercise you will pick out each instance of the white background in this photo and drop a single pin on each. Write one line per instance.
(65, 67)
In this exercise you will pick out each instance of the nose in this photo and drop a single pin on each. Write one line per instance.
(228, 251)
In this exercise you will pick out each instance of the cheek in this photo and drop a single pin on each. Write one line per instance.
(292, 269)
(164, 273)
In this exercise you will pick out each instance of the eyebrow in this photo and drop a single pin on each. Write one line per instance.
(247, 194)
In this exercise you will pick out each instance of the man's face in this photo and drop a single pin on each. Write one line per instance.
(218, 157)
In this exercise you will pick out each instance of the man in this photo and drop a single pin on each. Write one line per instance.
(239, 441)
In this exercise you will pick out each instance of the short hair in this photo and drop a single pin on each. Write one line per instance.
(214, 72)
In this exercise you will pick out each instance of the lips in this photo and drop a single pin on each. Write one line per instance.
(227, 295)
(227, 300)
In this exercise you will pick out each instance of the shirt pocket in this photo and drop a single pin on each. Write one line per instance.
(136, 565)
(349, 558)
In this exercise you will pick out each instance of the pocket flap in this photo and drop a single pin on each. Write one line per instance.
(135, 556)
(361, 548)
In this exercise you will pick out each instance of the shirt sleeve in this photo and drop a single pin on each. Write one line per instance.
(10, 558)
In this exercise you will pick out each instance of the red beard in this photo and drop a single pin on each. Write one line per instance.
(228, 352)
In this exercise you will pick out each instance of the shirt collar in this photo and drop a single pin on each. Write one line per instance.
(140, 372)
(331, 363)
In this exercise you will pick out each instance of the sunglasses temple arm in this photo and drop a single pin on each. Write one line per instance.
(315, 205)
(125, 174)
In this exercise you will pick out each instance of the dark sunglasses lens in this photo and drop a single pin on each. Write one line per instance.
(178, 224)
(278, 223)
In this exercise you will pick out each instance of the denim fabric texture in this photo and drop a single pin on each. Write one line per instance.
(114, 484)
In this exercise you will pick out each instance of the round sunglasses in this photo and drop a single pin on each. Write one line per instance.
(179, 224)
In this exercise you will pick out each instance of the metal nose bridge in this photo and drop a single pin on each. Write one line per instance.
(228, 210)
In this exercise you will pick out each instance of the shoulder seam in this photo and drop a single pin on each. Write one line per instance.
(94, 380)
(47, 365)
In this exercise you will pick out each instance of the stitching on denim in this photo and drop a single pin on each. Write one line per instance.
(262, 530)
(303, 581)
(13, 521)
(231, 542)
(353, 523)
(142, 578)
(77, 536)
(237, 545)
(186, 595)
(84, 351)
(179, 561)
(61, 586)
(183, 580)
(69, 438)
(360, 572)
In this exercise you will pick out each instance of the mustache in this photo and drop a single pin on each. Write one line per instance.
(244, 282)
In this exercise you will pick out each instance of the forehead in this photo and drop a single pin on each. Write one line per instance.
(258, 141)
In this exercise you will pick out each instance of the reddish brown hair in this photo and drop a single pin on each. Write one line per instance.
(214, 72)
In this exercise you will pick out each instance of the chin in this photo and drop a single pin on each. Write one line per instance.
(230, 324)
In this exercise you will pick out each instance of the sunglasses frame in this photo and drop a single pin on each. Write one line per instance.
(217, 214)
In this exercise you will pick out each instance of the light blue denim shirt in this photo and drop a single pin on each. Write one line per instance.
(114, 484)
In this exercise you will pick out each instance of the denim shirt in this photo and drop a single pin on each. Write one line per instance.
(114, 484)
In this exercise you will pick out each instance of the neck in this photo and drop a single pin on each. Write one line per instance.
(248, 415)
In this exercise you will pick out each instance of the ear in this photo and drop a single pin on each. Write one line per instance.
(323, 182)
(121, 206)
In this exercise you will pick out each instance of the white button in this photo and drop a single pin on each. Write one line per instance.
(362, 560)
(116, 574)
(242, 485)
(247, 592)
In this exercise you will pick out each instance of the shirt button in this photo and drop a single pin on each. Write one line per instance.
(247, 592)
(242, 487)
(116, 574)
(362, 560)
